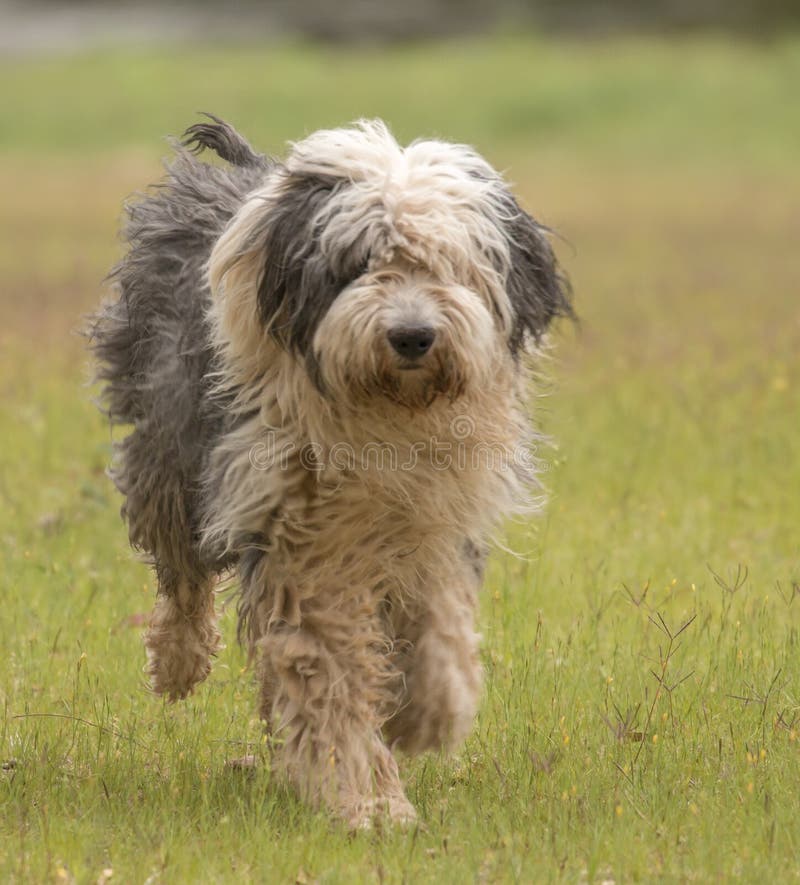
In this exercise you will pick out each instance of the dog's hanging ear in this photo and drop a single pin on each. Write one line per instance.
(271, 275)
(537, 288)
(299, 280)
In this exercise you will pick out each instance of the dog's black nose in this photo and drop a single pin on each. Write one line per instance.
(412, 342)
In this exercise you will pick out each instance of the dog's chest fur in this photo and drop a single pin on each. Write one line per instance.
(324, 502)
(333, 505)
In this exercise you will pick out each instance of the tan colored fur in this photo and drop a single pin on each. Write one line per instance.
(181, 640)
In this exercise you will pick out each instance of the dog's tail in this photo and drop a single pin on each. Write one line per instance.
(224, 140)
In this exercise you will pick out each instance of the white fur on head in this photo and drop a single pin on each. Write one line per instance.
(354, 234)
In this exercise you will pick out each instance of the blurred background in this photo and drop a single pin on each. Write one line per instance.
(55, 25)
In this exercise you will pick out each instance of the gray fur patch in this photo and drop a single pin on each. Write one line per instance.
(153, 351)
(299, 283)
(475, 555)
(538, 290)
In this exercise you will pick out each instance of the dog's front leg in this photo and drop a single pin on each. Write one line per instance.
(440, 665)
(325, 682)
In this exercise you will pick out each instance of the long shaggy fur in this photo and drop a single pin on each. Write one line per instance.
(258, 343)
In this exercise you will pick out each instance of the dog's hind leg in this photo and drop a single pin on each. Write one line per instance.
(182, 636)
(325, 685)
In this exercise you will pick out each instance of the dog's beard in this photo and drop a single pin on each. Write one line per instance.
(355, 364)
(419, 387)
(388, 380)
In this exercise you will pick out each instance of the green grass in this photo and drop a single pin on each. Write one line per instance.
(667, 168)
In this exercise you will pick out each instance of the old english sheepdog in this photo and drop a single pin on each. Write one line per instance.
(326, 361)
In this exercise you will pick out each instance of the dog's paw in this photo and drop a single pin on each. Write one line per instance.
(179, 649)
(175, 668)
(395, 811)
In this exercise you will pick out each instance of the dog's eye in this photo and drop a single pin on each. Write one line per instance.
(353, 271)
(361, 267)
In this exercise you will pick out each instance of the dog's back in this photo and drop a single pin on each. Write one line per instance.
(152, 344)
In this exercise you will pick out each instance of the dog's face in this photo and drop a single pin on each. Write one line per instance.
(399, 274)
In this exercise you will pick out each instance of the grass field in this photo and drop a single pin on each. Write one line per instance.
(604, 750)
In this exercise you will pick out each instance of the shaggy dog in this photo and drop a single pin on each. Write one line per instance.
(325, 363)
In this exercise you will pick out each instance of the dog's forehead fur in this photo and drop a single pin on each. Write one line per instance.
(432, 201)
(368, 153)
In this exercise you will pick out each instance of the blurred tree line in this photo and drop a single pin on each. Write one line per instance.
(343, 20)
